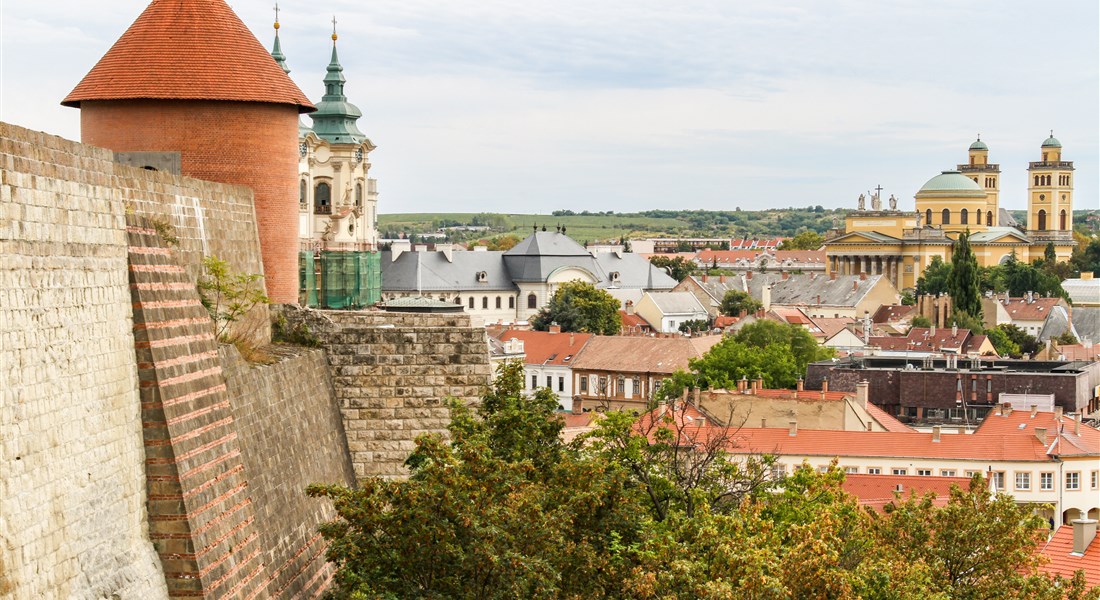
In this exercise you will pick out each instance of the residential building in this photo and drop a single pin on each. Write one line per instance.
(876, 491)
(741, 261)
(513, 285)
(1074, 547)
(548, 359)
(1042, 318)
(673, 245)
(900, 244)
(954, 390)
(850, 296)
(624, 372)
(894, 318)
(667, 311)
(920, 342)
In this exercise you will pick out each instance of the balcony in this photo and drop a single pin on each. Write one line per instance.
(1046, 164)
(979, 168)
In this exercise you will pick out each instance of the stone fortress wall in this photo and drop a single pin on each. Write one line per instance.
(140, 459)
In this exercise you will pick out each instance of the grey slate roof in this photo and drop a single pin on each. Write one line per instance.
(534, 259)
(676, 303)
(1083, 291)
(797, 289)
(1005, 218)
(993, 233)
(432, 272)
(1056, 324)
(1086, 320)
(635, 272)
(543, 252)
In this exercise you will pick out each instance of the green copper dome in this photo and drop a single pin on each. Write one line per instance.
(335, 118)
(952, 183)
(979, 145)
(1052, 142)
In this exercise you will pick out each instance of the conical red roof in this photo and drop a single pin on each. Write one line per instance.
(188, 50)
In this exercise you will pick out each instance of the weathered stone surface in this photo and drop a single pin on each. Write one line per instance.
(392, 374)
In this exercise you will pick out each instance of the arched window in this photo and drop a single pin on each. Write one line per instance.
(458, 300)
(532, 301)
(928, 217)
(358, 195)
(978, 217)
(989, 218)
(946, 217)
(484, 302)
(512, 302)
(1042, 221)
(964, 217)
(303, 190)
(322, 199)
(498, 301)
(1062, 220)
(471, 302)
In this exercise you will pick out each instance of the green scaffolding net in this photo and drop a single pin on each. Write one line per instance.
(340, 279)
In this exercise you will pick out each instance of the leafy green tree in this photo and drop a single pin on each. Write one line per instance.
(735, 302)
(1002, 343)
(1067, 338)
(907, 298)
(228, 295)
(934, 279)
(807, 240)
(921, 321)
(580, 307)
(1086, 255)
(962, 283)
(965, 320)
(1021, 278)
(678, 267)
(1026, 343)
(503, 511)
(695, 325)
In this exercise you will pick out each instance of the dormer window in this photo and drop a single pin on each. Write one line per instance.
(615, 276)
(482, 276)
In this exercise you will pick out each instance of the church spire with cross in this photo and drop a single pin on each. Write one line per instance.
(277, 48)
(335, 118)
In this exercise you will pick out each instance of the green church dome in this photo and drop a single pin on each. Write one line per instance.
(1052, 142)
(979, 145)
(951, 181)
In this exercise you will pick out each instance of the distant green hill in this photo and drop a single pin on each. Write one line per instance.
(606, 226)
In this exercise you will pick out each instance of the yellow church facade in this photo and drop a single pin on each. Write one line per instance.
(901, 244)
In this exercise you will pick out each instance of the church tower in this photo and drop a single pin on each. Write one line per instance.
(1050, 194)
(988, 177)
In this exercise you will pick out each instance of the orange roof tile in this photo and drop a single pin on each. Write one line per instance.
(1063, 562)
(887, 420)
(626, 354)
(877, 491)
(888, 313)
(188, 50)
(634, 320)
(545, 348)
(1020, 310)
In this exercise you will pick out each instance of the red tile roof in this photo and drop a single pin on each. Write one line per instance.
(830, 327)
(722, 321)
(890, 313)
(877, 491)
(1020, 310)
(634, 321)
(545, 348)
(890, 422)
(1077, 352)
(628, 354)
(188, 50)
(1059, 550)
(925, 339)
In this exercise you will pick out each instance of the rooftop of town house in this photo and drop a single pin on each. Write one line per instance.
(634, 354)
(550, 348)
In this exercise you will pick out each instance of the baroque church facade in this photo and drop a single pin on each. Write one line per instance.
(900, 244)
(337, 198)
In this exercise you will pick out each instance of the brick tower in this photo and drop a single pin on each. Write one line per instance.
(188, 80)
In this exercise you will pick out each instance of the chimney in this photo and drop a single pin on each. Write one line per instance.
(1058, 413)
(862, 389)
(863, 275)
(1034, 410)
(1006, 408)
(869, 426)
(704, 277)
(954, 330)
(447, 250)
(899, 488)
(555, 328)
(578, 405)
(571, 339)
(793, 429)
(763, 423)
(832, 275)
(997, 411)
(855, 284)
(1077, 423)
(748, 275)
(758, 383)
(1041, 434)
(766, 297)
(630, 307)
(742, 384)
(784, 275)
(935, 433)
(695, 397)
(721, 279)
(1084, 531)
(801, 385)
(825, 384)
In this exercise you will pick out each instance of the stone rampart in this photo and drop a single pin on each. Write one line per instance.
(72, 480)
(291, 435)
(393, 373)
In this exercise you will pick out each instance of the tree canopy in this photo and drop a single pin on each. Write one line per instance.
(962, 281)
(735, 302)
(807, 240)
(934, 278)
(580, 307)
(679, 268)
(649, 509)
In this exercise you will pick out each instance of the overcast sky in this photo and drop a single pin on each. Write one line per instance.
(531, 106)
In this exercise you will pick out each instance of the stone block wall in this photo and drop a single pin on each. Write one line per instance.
(393, 373)
(72, 480)
(291, 435)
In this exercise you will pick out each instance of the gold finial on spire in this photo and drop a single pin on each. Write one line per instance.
(276, 16)
(333, 29)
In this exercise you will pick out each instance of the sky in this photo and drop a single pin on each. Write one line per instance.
(528, 106)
